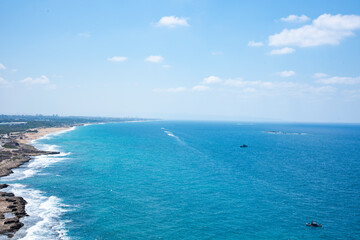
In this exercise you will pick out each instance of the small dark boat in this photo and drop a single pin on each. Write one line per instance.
(313, 224)
(244, 145)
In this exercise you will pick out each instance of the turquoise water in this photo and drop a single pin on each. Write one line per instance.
(191, 180)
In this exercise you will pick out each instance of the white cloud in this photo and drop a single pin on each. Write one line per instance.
(286, 73)
(255, 44)
(281, 51)
(117, 59)
(171, 90)
(42, 80)
(339, 80)
(327, 29)
(172, 21)
(211, 79)
(339, 22)
(296, 19)
(2, 67)
(320, 75)
(154, 59)
(200, 88)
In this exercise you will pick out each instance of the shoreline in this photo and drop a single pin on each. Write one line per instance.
(41, 133)
(17, 152)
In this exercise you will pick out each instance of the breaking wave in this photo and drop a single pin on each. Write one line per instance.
(36, 164)
(44, 220)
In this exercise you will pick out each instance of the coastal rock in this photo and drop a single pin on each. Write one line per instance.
(11, 144)
(12, 208)
(13, 158)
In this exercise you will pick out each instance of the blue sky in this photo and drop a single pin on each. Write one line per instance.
(182, 59)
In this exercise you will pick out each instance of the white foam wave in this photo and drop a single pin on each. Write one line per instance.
(46, 147)
(34, 166)
(44, 220)
(37, 163)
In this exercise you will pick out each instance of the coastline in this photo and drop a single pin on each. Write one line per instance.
(41, 132)
(15, 153)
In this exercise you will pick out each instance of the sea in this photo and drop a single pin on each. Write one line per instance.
(192, 180)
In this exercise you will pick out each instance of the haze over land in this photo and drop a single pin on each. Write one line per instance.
(217, 60)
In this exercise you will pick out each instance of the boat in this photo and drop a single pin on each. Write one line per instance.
(243, 146)
(313, 224)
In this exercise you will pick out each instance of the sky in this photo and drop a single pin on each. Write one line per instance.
(292, 61)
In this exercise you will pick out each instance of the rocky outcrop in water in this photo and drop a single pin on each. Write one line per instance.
(14, 154)
(12, 208)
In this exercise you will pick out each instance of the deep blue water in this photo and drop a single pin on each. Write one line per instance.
(191, 180)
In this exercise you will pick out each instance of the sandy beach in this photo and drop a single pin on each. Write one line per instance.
(41, 132)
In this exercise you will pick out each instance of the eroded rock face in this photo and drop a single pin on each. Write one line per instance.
(11, 210)
(14, 157)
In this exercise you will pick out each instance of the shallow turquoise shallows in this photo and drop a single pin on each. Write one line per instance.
(192, 180)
